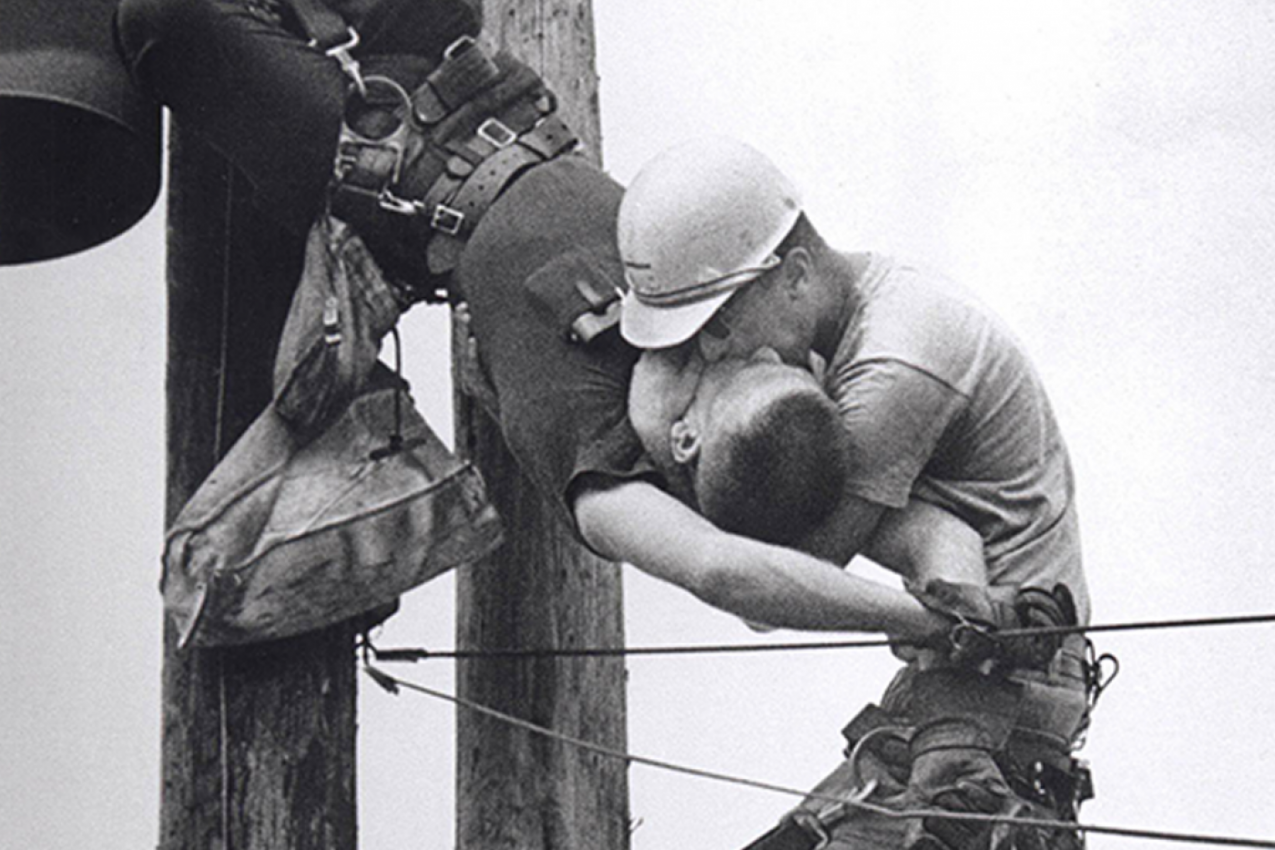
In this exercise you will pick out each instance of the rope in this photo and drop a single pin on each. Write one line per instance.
(393, 684)
(420, 653)
(219, 435)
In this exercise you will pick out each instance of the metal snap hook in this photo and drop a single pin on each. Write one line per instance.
(345, 58)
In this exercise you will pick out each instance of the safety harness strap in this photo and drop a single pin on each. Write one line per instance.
(456, 142)
(466, 70)
(1037, 765)
(498, 137)
(453, 144)
(454, 218)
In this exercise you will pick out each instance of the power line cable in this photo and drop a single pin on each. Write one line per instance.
(422, 654)
(393, 684)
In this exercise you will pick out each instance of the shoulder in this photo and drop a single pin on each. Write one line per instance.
(920, 319)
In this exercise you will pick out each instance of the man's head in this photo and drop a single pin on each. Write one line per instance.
(758, 443)
(716, 248)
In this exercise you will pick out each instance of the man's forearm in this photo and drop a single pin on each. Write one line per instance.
(636, 523)
(924, 542)
(784, 588)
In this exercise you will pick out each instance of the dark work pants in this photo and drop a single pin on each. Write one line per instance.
(238, 74)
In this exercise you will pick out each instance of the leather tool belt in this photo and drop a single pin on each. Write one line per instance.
(422, 166)
(1035, 756)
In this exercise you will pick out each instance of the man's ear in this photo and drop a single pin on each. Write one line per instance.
(684, 441)
(795, 271)
(766, 354)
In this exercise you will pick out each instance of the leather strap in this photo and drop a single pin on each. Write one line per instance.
(465, 71)
(469, 197)
(462, 137)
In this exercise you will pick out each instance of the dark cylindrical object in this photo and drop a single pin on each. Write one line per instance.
(79, 144)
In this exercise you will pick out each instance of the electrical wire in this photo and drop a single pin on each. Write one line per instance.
(393, 684)
(422, 654)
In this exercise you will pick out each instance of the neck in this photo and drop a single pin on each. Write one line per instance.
(842, 275)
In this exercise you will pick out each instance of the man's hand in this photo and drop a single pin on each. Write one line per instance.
(980, 614)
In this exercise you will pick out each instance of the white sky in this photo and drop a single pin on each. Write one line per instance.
(1101, 172)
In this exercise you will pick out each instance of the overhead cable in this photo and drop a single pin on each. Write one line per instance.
(393, 684)
(421, 654)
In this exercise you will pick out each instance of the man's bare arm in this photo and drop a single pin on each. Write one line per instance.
(919, 542)
(924, 542)
(637, 523)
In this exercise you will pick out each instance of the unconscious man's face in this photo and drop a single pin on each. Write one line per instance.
(755, 441)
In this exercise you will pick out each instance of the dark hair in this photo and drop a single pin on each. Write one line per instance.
(802, 234)
(781, 474)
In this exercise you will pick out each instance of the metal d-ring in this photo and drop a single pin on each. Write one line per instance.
(864, 790)
(831, 814)
(396, 139)
(364, 92)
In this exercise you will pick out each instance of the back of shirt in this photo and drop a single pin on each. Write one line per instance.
(942, 404)
(563, 405)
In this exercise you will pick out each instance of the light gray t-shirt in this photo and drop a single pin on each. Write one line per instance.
(942, 404)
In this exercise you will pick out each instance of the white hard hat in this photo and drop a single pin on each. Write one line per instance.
(699, 221)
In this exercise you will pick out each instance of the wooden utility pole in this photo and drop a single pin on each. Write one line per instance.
(541, 589)
(258, 742)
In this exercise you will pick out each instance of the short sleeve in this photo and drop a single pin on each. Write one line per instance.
(895, 415)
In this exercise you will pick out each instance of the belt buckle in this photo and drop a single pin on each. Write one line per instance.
(497, 133)
(447, 220)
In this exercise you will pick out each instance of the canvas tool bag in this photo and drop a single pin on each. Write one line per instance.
(339, 497)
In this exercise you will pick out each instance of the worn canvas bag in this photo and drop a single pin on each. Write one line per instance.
(341, 311)
(338, 497)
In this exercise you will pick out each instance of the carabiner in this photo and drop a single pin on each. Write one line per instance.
(349, 65)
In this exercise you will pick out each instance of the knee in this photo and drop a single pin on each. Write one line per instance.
(138, 22)
(141, 25)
